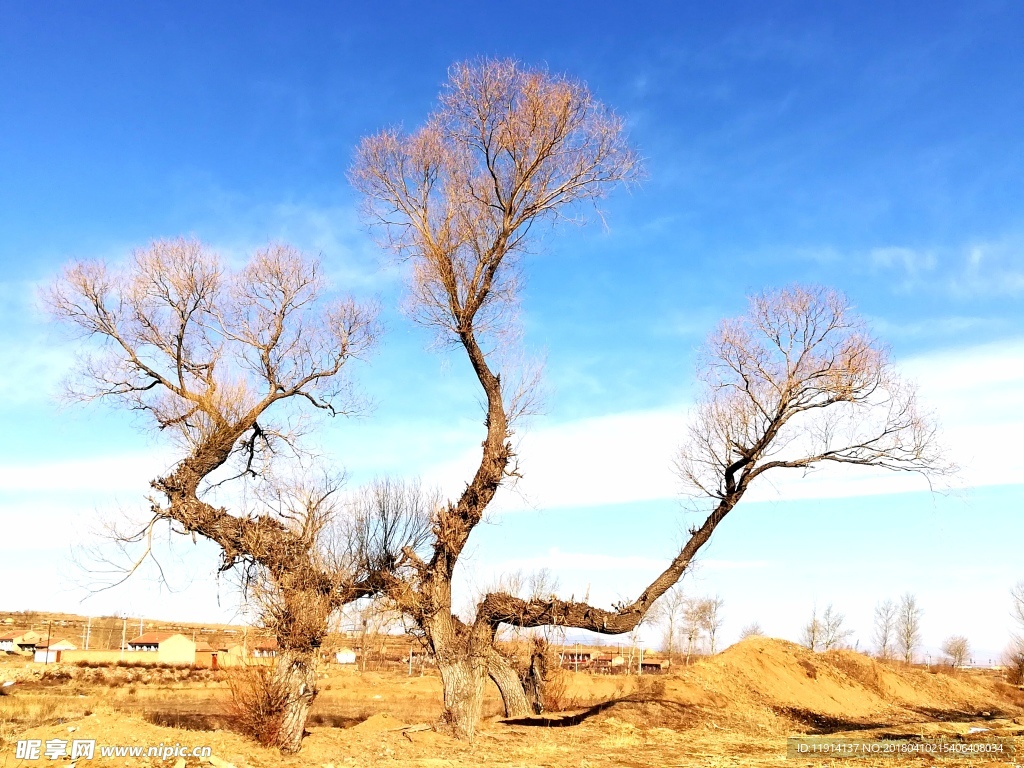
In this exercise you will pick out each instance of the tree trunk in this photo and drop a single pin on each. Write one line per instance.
(463, 685)
(295, 674)
(510, 686)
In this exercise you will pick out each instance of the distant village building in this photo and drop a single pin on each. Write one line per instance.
(609, 664)
(653, 666)
(264, 647)
(207, 656)
(49, 652)
(169, 647)
(346, 656)
(582, 658)
(19, 641)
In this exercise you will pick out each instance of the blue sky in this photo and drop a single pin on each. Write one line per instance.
(877, 151)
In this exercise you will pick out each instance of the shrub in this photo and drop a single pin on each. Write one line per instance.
(257, 702)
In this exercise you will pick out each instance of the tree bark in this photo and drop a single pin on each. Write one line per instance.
(510, 686)
(463, 685)
(295, 673)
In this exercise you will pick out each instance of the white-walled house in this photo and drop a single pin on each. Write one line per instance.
(18, 641)
(166, 647)
(49, 652)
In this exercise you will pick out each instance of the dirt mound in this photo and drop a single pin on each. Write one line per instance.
(382, 721)
(759, 680)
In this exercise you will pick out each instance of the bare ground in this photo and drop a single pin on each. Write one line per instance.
(734, 709)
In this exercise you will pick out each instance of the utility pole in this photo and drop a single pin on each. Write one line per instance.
(46, 653)
(88, 632)
(124, 635)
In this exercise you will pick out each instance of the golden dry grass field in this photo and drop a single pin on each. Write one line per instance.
(736, 708)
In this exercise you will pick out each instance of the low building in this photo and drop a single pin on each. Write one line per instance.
(577, 658)
(264, 647)
(169, 647)
(653, 666)
(206, 655)
(345, 656)
(50, 651)
(609, 663)
(19, 641)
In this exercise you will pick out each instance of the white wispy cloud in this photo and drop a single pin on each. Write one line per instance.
(111, 473)
(971, 270)
(977, 394)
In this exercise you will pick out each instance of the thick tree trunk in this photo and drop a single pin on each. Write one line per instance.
(509, 684)
(463, 685)
(295, 673)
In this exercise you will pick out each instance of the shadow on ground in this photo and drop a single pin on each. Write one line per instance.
(567, 720)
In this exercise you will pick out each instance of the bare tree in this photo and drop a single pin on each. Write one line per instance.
(885, 628)
(693, 624)
(908, 627)
(1013, 656)
(1017, 608)
(957, 649)
(712, 619)
(220, 361)
(795, 383)
(751, 630)
(670, 611)
(813, 631)
(832, 632)
(508, 149)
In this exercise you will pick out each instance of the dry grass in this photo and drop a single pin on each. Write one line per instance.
(21, 712)
(727, 710)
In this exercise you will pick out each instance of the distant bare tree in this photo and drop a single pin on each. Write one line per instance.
(712, 619)
(1013, 657)
(219, 361)
(670, 611)
(693, 624)
(885, 629)
(1017, 607)
(813, 631)
(957, 649)
(833, 634)
(751, 630)
(908, 627)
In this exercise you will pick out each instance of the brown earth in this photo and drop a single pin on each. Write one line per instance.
(736, 708)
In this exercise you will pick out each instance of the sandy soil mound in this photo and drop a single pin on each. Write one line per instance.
(759, 679)
(382, 721)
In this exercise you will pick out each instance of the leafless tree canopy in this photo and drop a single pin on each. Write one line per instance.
(796, 382)
(885, 628)
(751, 630)
(507, 148)
(908, 627)
(389, 523)
(211, 357)
(813, 631)
(833, 633)
(957, 649)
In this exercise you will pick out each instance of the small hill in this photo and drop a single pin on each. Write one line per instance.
(768, 684)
